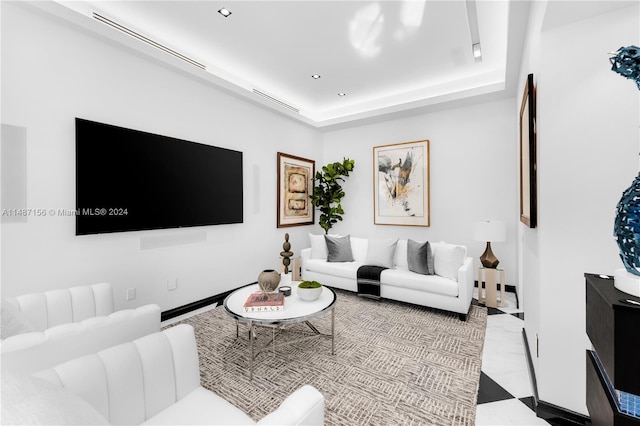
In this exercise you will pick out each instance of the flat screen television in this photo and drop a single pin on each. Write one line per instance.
(129, 180)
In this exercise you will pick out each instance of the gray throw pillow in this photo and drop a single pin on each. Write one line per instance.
(338, 249)
(420, 257)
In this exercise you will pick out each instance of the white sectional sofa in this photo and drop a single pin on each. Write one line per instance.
(40, 330)
(450, 287)
(152, 380)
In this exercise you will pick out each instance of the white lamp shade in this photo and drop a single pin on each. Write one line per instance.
(490, 230)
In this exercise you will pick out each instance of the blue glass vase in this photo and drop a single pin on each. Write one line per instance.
(627, 227)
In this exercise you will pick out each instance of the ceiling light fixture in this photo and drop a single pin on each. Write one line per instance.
(224, 12)
(315, 76)
(342, 94)
(474, 31)
(477, 51)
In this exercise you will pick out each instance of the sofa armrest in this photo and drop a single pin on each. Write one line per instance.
(303, 407)
(466, 281)
(30, 352)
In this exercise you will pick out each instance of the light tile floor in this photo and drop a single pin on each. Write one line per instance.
(505, 387)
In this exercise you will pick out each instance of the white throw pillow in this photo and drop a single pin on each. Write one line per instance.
(381, 252)
(318, 247)
(33, 401)
(447, 259)
(400, 260)
(13, 321)
(359, 248)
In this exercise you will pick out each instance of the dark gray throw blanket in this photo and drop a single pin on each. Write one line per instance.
(368, 277)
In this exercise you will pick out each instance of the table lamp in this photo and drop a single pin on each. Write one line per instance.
(489, 231)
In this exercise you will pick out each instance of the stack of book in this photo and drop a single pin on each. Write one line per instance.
(264, 302)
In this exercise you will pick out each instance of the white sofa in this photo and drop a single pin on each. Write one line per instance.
(156, 380)
(40, 330)
(450, 288)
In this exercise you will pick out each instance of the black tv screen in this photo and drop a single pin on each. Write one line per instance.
(128, 180)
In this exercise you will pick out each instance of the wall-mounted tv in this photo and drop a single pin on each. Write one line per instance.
(129, 180)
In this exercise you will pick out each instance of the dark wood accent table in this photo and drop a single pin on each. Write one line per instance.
(613, 326)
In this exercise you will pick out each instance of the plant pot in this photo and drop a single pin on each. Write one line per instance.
(268, 280)
(309, 294)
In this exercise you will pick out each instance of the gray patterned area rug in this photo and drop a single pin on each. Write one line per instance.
(395, 363)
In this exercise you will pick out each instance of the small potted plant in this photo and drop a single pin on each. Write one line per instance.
(309, 290)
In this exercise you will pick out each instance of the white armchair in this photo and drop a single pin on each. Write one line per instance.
(59, 325)
(156, 380)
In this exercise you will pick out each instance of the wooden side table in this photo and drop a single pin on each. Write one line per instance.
(490, 296)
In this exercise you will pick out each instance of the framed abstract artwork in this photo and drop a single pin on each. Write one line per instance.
(528, 165)
(295, 185)
(401, 184)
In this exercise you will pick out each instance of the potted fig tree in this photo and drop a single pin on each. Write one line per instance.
(328, 192)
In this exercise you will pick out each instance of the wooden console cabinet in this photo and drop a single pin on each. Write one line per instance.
(613, 326)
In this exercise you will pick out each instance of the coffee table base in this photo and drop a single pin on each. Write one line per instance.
(275, 330)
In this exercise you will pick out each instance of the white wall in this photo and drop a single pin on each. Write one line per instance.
(52, 72)
(472, 168)
(588, 143)
(528, 249)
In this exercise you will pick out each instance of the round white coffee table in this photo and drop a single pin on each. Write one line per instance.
(295, 311)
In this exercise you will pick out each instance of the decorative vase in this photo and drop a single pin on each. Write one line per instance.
(626, 62)
(626, 230)
(268, 280)
(627, 227)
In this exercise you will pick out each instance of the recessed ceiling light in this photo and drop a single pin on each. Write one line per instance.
(315, 76)
(342, 94)
(224, 12)
(477, 51)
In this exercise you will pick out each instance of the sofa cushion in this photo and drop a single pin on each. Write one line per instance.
(410, 280)
(338, 269)
(447, 259)
(338, 249)
(201, 407)
(380, 252)
(420, 257)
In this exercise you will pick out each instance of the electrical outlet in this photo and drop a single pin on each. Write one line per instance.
(131, 294)
(172, 284)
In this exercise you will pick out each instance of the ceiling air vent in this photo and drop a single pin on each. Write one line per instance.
(272, 99)
(147, 40)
